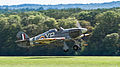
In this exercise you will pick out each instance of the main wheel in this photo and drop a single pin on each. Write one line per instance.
(66, 50)
(75, 47)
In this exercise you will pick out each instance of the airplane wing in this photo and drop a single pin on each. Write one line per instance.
(84, 35)
(49, 40)
(20, 41)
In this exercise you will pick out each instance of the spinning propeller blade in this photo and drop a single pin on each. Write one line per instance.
(78, 25)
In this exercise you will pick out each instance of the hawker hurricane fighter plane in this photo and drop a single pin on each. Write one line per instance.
(54, 35)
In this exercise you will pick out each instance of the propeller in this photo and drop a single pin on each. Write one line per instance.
(78, 25)
(61, 29)
(84, 30)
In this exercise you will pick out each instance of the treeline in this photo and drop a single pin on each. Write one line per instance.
(102, 24)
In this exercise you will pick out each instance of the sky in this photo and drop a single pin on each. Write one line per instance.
(51, 2)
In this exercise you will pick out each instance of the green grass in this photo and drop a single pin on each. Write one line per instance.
(60, 61)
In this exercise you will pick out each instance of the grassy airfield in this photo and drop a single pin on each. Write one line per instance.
(60, 61)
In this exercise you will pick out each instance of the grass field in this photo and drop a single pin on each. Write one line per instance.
(60, 61)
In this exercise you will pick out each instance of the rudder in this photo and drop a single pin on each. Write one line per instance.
(22, 36)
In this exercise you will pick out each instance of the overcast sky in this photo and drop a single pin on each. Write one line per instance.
(53, 2)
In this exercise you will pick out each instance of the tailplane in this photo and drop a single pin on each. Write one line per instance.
(23, 40)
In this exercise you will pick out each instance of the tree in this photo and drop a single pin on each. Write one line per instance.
(50, 23)
(83, 15)
(110, 44)
(67, 23)
(14, 19)
(108, 24)
(32, 29)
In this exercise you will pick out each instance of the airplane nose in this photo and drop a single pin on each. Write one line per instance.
(84, 30)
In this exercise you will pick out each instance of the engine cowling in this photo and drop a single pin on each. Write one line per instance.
(74, 33)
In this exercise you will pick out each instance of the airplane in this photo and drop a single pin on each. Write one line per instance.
(53, 35)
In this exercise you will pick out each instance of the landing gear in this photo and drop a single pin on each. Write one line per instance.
(75, 47)
(65, 47)
(66, 50)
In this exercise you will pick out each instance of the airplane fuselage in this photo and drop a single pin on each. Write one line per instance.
(67, 33)
(61, 35)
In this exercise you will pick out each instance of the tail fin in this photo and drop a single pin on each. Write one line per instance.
(23, 40)
(22, 36)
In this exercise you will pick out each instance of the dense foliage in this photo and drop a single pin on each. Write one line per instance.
(102, 24)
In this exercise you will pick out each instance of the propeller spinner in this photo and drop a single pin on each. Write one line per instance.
(84, 30)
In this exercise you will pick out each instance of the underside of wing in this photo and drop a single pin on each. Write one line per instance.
(20, 41)
(49, 40)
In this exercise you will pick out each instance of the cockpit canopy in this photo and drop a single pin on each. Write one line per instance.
(52, 30)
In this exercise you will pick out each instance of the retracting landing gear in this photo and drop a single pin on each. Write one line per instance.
(65, 47)
(76, 46)
(66, 50)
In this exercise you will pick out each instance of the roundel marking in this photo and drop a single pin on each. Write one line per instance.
(42, 37)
